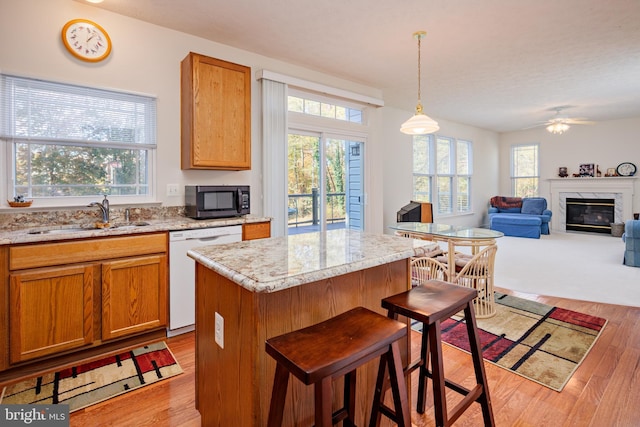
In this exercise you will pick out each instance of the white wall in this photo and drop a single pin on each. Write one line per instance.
(146, 59)
(604, 143)
(397, 164)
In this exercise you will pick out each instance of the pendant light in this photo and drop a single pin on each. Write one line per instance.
(420, 123)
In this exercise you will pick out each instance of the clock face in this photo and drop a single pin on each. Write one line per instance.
(626, 169)
(86, 40)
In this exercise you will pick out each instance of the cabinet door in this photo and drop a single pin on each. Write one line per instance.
(256, 230)
(50, 311)
(215, 114)
(134, 295)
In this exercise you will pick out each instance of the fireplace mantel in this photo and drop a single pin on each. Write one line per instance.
(619, 188)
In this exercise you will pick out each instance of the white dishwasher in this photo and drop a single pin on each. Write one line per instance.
(182, 287)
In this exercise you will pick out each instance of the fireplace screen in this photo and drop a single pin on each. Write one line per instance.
(592, 215)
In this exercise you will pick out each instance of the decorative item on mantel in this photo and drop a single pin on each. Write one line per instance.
(587, 169)
(19, 202)
(562, 172)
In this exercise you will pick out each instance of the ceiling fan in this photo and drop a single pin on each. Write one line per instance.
(560, 123)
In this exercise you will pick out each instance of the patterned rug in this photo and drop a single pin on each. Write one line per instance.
(537, 341)
(94, 382)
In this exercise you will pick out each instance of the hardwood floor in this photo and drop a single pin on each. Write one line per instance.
(602, 392)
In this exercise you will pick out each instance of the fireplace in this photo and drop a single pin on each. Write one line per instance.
(620, 189)
(590, 215)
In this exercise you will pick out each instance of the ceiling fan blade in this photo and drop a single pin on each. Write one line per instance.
(536, 126)
(579, 122)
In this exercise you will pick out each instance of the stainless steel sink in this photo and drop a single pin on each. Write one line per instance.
(62, 230)
(130, 225)
(68, 230)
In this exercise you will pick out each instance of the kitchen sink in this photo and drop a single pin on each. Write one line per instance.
(67, 230)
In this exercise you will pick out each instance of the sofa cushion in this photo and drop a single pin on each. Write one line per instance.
(533, 205)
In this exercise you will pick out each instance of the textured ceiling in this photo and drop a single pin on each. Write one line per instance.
(494, 64)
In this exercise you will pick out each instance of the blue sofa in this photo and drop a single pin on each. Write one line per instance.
(519, 217)
(631, 238)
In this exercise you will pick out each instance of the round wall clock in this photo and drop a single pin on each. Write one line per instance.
(626, 169)
(86, 40)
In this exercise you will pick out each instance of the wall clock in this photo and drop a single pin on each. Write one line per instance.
(86, 40)
(626, 169)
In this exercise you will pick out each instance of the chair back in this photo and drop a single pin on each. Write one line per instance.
(424, 269)
(478, 274)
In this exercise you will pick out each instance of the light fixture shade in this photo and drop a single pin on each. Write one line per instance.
(558, 128)
(419, 124)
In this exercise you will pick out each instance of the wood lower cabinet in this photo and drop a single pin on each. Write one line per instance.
(50, 311)
(81, 295)
(134, 295)
(256, 230)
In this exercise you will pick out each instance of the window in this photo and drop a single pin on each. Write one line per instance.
(68, 141)
(525, 173)
(326, 163)
(317, 106)
(442, 173)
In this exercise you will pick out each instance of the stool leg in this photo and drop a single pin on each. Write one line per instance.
(423, 370)
(437, 373)
(478, 364)
(350, 399)
(278, 396)
(323, 403)
(398, 386)
(378, 395)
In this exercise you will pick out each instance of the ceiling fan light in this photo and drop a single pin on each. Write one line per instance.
(419, 124)
(558, 128)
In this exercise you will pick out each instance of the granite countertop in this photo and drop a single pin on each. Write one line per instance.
(270, 265)
(8, 237)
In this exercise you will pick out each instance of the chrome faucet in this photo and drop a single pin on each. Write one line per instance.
(104, 207)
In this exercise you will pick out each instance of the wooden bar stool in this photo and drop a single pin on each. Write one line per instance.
(430, 303)
(334, 348)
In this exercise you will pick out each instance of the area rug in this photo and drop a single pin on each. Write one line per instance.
(93, 382)
(540, 342)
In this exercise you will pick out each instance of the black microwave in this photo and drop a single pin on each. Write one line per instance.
(216, 201)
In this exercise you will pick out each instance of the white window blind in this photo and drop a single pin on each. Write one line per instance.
(70, 140)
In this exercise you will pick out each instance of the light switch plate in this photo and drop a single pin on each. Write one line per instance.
(219, 330)
(173, 190)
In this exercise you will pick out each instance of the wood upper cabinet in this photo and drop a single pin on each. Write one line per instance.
(50, 311)
(134, 295)
(215, 114)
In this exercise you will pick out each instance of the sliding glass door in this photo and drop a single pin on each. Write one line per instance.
(325, 182)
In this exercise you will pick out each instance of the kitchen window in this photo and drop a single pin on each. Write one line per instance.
(70, 142)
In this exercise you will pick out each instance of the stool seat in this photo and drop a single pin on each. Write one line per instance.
(334, 348)
(431, 303)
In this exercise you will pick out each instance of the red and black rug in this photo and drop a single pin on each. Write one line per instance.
(93, 382)
(540, 342)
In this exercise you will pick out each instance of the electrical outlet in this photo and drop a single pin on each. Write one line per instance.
(219, 330)
(173, 190)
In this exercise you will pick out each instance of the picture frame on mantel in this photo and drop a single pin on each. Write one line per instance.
(611, 172)
(587, 169)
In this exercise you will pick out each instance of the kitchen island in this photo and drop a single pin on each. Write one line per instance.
(262, 288)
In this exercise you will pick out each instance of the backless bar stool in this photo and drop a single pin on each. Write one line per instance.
(430, 303)
(334, 348)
